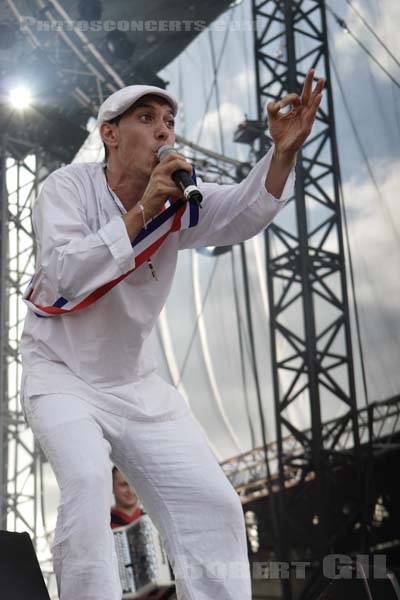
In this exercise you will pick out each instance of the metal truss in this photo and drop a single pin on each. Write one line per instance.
(67, 53)
(378, 425)
(21, 460)
(310, 327)
(210, 166)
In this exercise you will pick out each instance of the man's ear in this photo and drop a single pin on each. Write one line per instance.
(109, 134)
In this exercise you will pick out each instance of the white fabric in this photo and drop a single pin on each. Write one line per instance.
(120, 101)
(104, 353)
(197, 512)
(90, 387)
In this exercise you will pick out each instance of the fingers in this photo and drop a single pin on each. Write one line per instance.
(290, 99)
(307, 97)
(307, 87)
(320, 87)
(308, 94)
(317, 101)
(174, 162)
(273, 108)
(312, 109)
(318, 90)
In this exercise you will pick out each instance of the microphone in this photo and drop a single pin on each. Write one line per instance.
(182, 178)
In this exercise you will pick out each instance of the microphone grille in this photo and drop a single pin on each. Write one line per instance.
(163, 151)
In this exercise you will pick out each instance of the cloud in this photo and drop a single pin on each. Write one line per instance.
(243, 86)
(231, 115)
(384, 24)
(375, 217)
(375, 253)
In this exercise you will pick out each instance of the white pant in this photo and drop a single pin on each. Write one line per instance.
(182, 487)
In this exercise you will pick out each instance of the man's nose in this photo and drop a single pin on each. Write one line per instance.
(162, 131)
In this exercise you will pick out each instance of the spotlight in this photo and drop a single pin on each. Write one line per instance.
(20, 97)
(8, 36)
(120, 45)
(90, 10)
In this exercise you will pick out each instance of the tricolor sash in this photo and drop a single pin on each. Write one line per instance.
(176, 215)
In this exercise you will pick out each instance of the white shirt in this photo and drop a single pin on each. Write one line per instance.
(103, 353)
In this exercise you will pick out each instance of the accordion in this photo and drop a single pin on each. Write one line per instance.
(143, 566)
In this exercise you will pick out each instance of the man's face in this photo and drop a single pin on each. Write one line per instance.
(125, 497)
(147, 126)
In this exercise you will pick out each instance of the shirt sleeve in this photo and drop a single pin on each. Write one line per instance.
(234, 213)
(73, 259)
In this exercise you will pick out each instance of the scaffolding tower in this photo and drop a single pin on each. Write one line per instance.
(21, 460)
(311, 346)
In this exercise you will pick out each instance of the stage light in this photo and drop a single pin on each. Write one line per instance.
(20, 97)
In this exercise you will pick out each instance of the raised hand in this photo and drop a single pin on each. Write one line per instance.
(289, 131)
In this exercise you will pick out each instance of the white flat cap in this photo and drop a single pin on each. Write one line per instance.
(120, 101)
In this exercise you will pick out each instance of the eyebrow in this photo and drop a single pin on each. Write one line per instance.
(144, 105)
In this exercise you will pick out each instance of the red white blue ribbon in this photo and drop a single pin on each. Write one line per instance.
(176, 215)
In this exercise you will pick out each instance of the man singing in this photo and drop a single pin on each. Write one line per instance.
(107, 245)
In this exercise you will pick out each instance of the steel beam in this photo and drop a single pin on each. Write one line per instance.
(306, 276)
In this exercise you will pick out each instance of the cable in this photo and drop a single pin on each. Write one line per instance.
(182, 113)
(241, 350)
(246, 59)
(344, 26)
(385, 209)
(196, 325)
(353, 289)
(214, 80)
(376, 36)
(206, 353)
(396, 106)
(347, 237)
(386, 118)
(272, 498)
(165, 340)
(383, 113)
(216, 87)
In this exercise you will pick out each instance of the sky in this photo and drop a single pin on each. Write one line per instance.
(207, 348)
